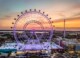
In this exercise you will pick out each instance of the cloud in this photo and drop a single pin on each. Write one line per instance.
(5, 17)
(70, 23)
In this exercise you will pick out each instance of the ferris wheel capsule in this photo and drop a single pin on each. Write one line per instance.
(12, 22)
(11, 27)
(39, 10)
(49, 18)
(18, 15)
(34, 9)
(43, 12)
(47, 15)
(30, 9)
(14, 18)
(26, 11)
(21, 12)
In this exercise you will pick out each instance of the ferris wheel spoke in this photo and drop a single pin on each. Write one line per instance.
(25, 20)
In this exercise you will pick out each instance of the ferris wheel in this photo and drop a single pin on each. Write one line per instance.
(32, 25)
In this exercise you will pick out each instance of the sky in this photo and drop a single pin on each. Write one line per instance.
(56, 9)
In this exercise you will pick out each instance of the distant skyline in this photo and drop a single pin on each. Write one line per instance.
(57, 10)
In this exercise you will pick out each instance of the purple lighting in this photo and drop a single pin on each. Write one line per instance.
(45, 45)
(28, 38)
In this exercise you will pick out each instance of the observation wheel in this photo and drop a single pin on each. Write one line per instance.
(31, 26)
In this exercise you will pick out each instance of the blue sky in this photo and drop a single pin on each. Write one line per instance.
(9, 6)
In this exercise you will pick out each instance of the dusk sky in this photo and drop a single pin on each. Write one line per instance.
(56, 9)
